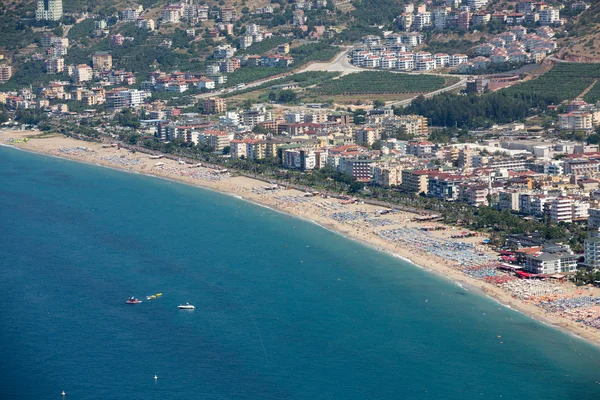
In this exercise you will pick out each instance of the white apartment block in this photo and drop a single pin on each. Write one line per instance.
(475, 5)
(171, 14)
(51, 10)
(550, 16)
(575, 121)
(422, 20)
(82, 73)
(147, 24)
(129, 15)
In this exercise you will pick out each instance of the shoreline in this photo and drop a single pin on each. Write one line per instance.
(311, 209)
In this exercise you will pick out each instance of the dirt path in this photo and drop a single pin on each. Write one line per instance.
(587, 89)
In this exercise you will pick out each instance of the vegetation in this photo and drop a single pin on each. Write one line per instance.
(381, 83)
(453, 46)
(303, 79)
(584, 277)
(593, 95)
(249, 74)
(14, 32)
(126, 118)
(30, 73)
(283, 96)
(450, 110)
(136, 57)
(564, 81)
(265, 45)
(320, 51)
(376, 12)
(84, 29)
(30, 116)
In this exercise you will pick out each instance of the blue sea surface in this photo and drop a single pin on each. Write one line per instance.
(284, 308)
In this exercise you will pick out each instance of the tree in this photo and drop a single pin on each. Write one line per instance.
(378, 104)
(126, 118)
(287, 96)
(356, 187)
(133, 139)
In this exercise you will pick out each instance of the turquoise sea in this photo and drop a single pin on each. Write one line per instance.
(284, 308)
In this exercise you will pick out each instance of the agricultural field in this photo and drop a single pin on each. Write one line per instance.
(250, 74)
(594, 94)
(381, 83)
(320, 52)
(564, 81)
(303, 79)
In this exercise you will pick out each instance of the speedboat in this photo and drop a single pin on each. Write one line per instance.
(186, 306)
(133, 300)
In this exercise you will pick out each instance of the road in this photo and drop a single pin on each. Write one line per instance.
(404, 103)
(341, 64)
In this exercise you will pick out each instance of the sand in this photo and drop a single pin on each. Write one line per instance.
(293, 202)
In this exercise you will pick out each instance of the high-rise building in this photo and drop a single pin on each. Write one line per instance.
(51, 10)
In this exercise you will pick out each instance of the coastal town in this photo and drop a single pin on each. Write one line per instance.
(482, 164)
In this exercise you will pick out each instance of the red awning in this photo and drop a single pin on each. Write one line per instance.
(524, 274)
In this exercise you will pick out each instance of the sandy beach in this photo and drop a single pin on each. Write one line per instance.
(463, 260)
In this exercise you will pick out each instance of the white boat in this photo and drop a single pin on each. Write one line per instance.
(186, 306)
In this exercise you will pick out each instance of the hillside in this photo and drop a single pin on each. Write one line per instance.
(582, 44)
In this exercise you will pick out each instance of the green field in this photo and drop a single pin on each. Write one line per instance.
(380, 83)
(564, 81)
(593, 95)
(302, 79)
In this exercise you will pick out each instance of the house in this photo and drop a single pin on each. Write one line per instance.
(276, 60)
(205, 83)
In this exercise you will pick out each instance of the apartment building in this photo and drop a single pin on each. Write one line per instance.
(387, 175)
(6, 72)
(217, 140)
(575, 121)
(551, 260)
(102, 61)
(561, 209)
(51, 10)
(414, 181)
(54, 65)
(131, 98)
(214, 105)
(360, 169)
(82, 73)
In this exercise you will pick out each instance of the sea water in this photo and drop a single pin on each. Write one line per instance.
(284, 308)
